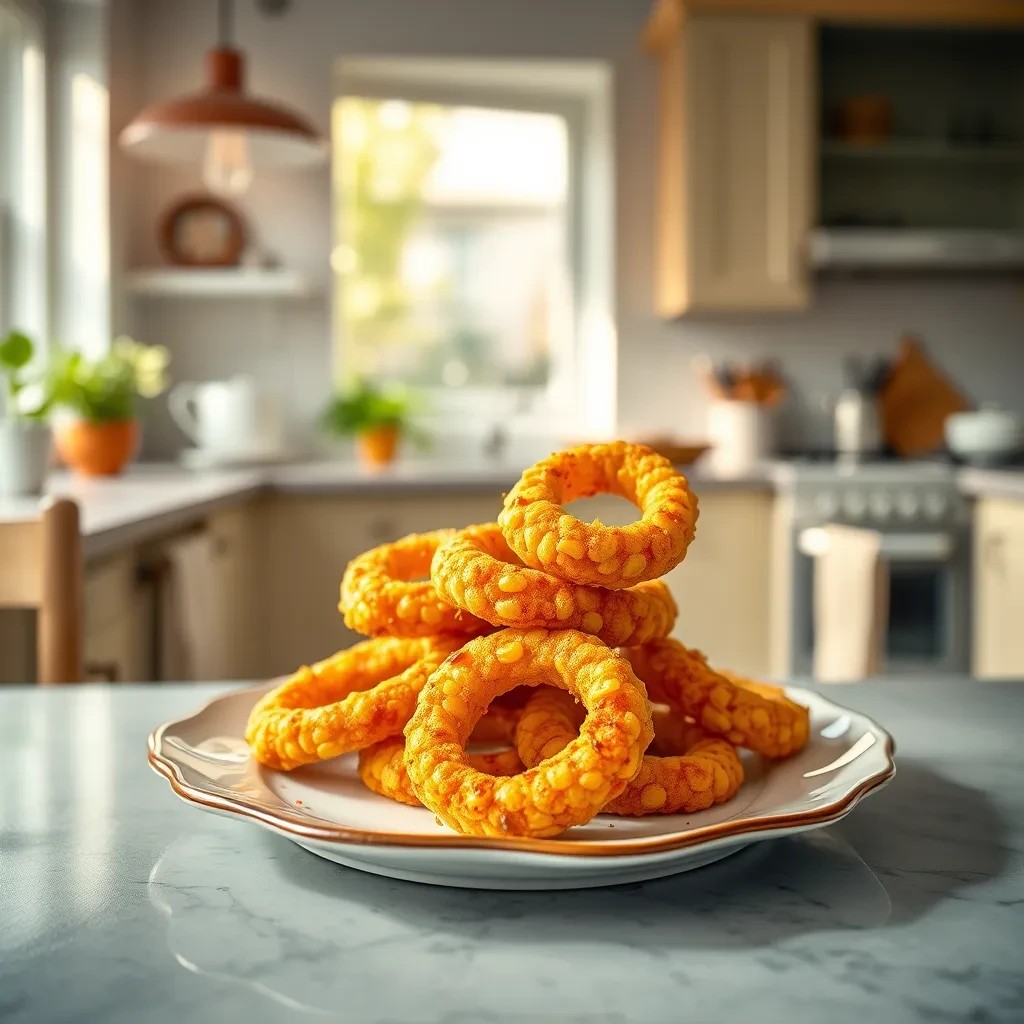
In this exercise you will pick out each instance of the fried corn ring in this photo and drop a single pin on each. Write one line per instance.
(382, 768)
(352, 699)
(707, 770)
(766, 722)
(381, 593)
(567, 790)
(546, 537)
(477, 571)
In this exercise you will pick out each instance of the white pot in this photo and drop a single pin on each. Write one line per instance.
(742, 435)
(24, 457)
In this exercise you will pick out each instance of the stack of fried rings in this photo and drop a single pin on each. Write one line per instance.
(585, 588)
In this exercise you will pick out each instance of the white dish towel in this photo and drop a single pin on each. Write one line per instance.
(851, 602)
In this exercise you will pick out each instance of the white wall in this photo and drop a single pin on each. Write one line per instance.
(976, 329)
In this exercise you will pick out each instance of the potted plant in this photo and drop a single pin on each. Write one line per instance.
(98, 433)
(377, 416)
(24, 432)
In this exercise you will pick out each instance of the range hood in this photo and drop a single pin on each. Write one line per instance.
(915, 249)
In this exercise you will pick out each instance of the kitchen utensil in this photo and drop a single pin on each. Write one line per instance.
(985, 437)
(742, 435)
(227, 416)
(915, 401)
(856, 421)
(328, 811)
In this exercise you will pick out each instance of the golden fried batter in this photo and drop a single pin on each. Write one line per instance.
(382, 595)
(477, 571)
(765, 722)
(350, 700)
(382, 768)
(706, 771)
(546, 537)
(567, 790)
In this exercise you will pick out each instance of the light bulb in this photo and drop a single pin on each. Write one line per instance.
(227, 169)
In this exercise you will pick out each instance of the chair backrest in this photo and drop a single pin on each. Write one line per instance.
(41, 567)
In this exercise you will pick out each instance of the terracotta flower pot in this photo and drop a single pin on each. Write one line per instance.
(96, 449)
(378, 447)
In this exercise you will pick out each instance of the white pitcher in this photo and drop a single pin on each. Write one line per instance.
(229, 416)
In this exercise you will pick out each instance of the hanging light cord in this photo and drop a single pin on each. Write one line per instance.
(225, 22)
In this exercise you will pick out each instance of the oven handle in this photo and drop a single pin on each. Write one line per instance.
(895, 547)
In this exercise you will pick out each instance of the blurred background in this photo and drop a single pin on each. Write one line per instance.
(378, 257)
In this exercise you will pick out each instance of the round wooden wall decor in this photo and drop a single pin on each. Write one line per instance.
(202, 231)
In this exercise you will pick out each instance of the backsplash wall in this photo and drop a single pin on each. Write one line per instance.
(975, 328)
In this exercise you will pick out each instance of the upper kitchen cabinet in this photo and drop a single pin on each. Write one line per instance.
(736, 186)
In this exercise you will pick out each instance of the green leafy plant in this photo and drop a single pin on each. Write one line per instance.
(365, 406)
(25, 397)
(108, 388)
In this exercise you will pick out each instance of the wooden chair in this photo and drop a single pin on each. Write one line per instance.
(41, 568)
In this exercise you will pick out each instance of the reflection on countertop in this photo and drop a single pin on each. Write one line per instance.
(118, 897)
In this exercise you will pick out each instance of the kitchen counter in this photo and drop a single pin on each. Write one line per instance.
(150, 500)
(122, 904)
(992, 483)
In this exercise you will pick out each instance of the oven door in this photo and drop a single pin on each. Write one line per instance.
(927, 627)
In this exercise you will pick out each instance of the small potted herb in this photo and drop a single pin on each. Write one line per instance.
(377, 416)
(24, 432)
(98, 432)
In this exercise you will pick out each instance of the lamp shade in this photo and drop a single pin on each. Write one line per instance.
(179, 130)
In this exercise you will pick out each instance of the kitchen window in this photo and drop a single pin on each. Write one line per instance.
(23, 301)
(464, 266)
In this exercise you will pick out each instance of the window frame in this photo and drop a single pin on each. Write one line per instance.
(579, 93)
(24, 267)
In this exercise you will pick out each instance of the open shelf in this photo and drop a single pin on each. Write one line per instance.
(925, 150)
(218, 283)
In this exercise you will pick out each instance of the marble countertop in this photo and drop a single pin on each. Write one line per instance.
(152, 499)
(992, 483)
(122, 904)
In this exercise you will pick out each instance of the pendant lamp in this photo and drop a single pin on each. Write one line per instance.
(221, 128)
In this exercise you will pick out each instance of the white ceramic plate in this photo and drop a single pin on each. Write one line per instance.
(326, 809)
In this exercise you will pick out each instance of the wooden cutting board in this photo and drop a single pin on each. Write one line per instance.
(915, 401)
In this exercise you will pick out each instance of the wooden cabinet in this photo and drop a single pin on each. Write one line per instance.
(736, 162)
(117, 627)
(999, 589)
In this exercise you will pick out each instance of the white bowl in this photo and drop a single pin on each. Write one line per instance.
(985, 437)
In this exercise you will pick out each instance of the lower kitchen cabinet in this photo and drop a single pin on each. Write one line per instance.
(999, 589)
(723, 586)
(116, 630)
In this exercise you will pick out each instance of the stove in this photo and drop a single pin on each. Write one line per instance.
(924, 523)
